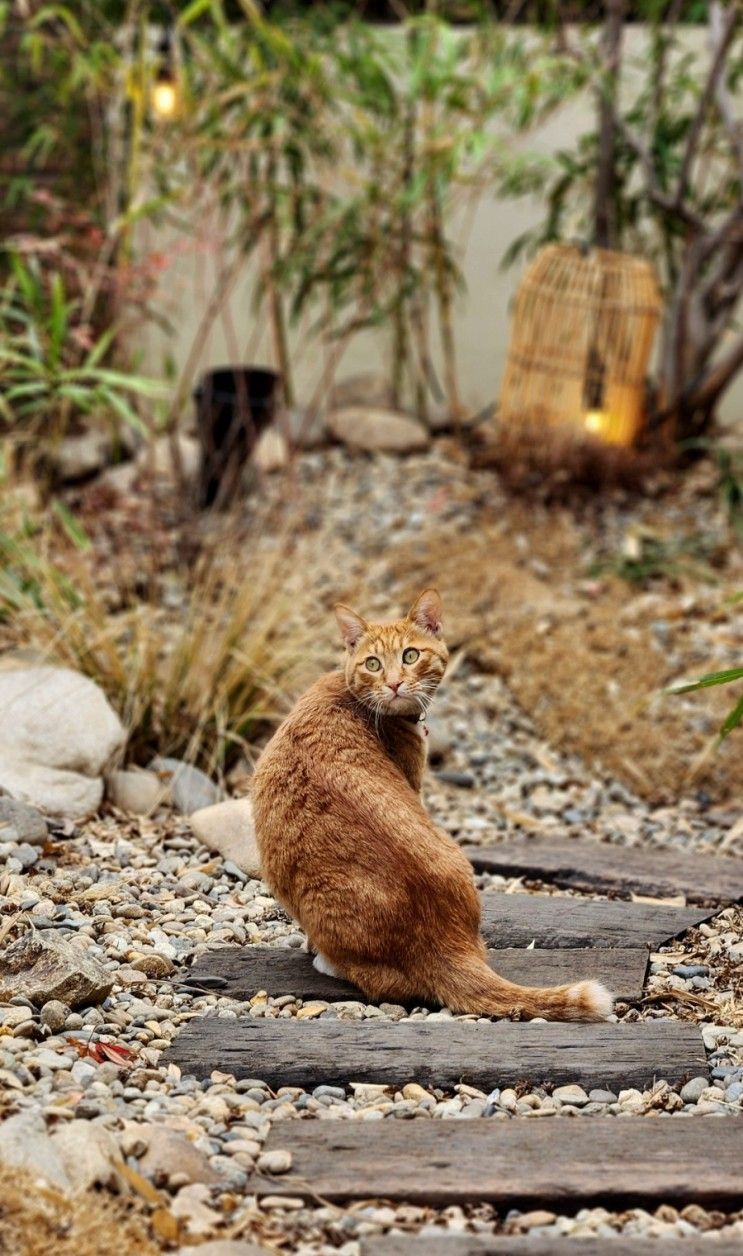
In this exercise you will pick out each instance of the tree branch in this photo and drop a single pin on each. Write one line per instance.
(721, 47)
(720, 375)
(611, 48)
(733, 125)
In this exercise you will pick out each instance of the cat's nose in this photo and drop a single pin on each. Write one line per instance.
(394, 685)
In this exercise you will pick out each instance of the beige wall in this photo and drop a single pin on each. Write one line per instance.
(482, 315)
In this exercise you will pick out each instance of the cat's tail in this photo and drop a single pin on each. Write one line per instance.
(469, 985)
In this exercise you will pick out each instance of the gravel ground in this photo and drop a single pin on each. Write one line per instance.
(146, 898)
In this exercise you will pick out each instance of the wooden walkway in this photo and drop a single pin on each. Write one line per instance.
(609, 869)
(561, 1164)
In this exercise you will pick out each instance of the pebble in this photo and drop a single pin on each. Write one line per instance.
(54, 1015)
(278, 1161)
(574, 1095)
(694, 1089)
(464, 780)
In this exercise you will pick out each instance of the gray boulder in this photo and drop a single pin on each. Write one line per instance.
(42, 966)
(377, 430)
(189, 788)
(21, 823)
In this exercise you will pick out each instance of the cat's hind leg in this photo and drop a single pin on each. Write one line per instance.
(323, 965)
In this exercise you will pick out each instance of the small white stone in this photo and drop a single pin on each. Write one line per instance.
(278, 1161)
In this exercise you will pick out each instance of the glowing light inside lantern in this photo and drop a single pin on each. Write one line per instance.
(597, 422)
(164, 97)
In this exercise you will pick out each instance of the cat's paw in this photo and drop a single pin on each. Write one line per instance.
(323, 965)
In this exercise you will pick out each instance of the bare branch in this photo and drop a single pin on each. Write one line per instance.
(733, 124)
(720, 51)
(662, 36)
(720, 375)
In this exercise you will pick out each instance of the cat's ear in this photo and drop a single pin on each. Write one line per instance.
(426, 612)
(352, 626)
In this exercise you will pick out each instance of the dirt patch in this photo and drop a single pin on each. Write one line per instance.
(587, 659)
(36, 1220)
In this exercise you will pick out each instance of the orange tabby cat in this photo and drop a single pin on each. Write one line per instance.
(386, 899)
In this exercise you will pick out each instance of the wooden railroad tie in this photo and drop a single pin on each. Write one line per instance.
(309, 1053)
(542, 1245)
(563, 1164)
(240, 972)
(606, 868)
(554, 921)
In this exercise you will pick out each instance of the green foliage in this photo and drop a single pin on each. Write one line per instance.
(53, 370)
(729, 676)
(343, 158)
(729, 463)
(646, 556)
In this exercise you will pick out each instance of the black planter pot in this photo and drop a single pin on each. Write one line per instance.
(233, 406)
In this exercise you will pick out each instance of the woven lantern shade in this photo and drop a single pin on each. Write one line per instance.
(582, 335)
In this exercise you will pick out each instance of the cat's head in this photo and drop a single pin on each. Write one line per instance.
(395, 669)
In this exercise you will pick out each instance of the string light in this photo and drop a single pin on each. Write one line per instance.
(164, 94)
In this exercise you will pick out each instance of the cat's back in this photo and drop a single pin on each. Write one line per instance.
(322, 732)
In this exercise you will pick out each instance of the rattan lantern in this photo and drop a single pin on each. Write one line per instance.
(583, 331)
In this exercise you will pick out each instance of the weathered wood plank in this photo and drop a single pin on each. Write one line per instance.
(240, 971)
(440, 1053)
(538, 1245)
(553, 921)
(606, 868)
(560, 1163)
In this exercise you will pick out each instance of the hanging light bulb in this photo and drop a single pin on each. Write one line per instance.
(164, 94)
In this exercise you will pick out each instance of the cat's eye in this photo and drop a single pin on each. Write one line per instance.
(373, 664)
(410, 655)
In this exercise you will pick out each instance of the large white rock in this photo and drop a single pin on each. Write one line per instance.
(68, 794)
(228, 828)
(57, 718)
(377, 430)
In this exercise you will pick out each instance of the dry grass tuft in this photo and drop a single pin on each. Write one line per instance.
(197, 671)
(553, 463)
(36, 1220)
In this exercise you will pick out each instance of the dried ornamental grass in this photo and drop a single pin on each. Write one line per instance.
(199, 679)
